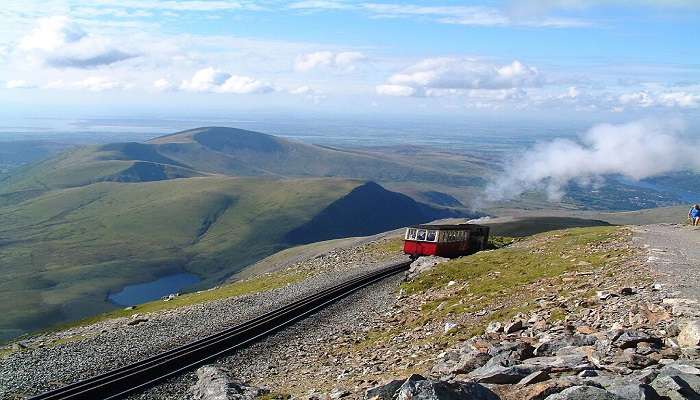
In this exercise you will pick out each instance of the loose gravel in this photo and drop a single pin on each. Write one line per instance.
(56, 359)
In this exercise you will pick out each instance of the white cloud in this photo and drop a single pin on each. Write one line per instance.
(59, 42)
(395, 90)
(19, 84)
(308, 93)
(671, 99)
(436, 76)
(213, 80)
(98, 84)
(163, 85)
(636, 150)
(320, 5)
(345, 61)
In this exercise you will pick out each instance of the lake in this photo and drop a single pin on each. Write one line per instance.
(154, 290)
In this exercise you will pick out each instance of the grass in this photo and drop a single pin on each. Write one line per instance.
(64, 251)
(494, 280)
(252, 285)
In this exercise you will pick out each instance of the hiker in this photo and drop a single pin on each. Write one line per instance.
(694, 215)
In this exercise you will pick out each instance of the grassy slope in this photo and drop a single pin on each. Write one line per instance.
(61, 252)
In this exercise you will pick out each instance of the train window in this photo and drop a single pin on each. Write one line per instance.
(411, 234)
(451, 236)
(432, 236)
(421, 234)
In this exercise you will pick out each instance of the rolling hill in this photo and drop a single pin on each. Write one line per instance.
(215, 151)
(64, 251)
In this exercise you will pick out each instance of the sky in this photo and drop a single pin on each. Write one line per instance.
(606, 60)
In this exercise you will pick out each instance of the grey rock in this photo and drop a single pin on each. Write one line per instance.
(423, 264)
(464, 363)
(571, 362)
(513, 327)
(689, 335)
(583, 393)
(494, 327)
(437, 390)
(535, 377)
(214, 383)
(674, 387)
(501, 375)
(632, 391)
(387, 390)
(630, 338)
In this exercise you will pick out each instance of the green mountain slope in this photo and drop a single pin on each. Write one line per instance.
(62, 252)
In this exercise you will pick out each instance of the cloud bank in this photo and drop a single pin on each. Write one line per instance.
(435, 76)
(635, 150)
(59, 42)
(214, 80)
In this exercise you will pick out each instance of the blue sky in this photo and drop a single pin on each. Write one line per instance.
(595, 58)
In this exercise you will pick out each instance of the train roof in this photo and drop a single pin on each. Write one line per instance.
(448, 227)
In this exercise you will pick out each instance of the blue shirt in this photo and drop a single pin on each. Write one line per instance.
(694, 213)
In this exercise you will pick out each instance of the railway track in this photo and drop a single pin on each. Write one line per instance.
(121, 382)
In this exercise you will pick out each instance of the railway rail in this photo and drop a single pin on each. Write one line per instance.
(121, 382)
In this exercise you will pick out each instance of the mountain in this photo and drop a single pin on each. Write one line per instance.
(217, 151)
(63, 252)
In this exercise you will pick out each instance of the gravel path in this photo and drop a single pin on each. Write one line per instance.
(57, 359)
(674, 255)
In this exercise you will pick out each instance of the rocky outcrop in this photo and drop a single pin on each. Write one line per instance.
(423, 264)
(216, 383)
(416, 387)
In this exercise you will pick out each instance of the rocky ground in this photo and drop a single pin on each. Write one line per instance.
(605, 330)
(586, 315)
(43, 362)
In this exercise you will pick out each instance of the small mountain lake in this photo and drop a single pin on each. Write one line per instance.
(154, 290)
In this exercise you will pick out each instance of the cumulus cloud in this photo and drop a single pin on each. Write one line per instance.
(19, 84)
(163, 85)
(345, 61)
(308, 93)
(435, 76)
(59, 42)
(673, 99)
(217, 81)
(635, 150)
(98, 84)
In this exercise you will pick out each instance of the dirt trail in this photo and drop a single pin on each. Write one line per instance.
(674, 254)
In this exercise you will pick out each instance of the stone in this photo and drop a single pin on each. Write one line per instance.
(637, 361)
(387, 390)
(423, 264)
(513, 327)
(535, 377)
(571, 362)
(588, 373)
(604, 295)
(689, 335)
(137, 321)
(501, 375)
(677, 367)
(338, 393)
(215, 383)
(584, 393)
(450, 326)
(494, 327)
(633, 391)
(670, 387)
(630, 338)
(541, 390)
(626, 291)
(437, 390)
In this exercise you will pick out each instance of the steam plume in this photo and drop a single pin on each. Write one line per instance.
(636, 150)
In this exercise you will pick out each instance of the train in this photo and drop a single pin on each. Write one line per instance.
(447, 241)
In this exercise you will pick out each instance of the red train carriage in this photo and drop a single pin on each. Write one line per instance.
(445, 240)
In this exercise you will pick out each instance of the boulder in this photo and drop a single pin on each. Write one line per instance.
(535, 377)
(674, 388)
(630, 338)
(494, 327)
(423, 264)
(215, 383)
(437, 390)
(540, 390)
(584, 393)
(501, 375)
(513, 327)
(563, 363)
(689, 335)
(387, 390)
(461, 363)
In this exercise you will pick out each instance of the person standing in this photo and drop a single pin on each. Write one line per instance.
(694, 215)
